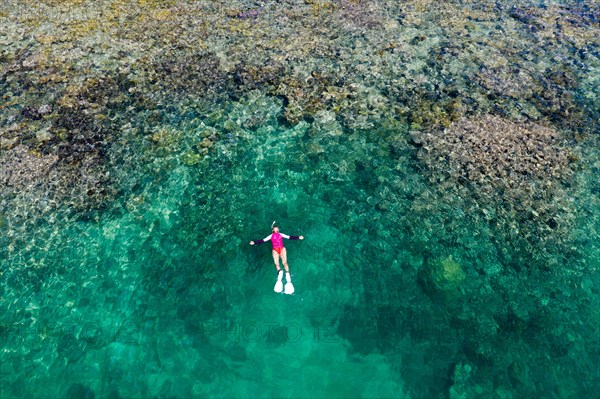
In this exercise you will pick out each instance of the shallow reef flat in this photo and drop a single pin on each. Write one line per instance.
(441, 159)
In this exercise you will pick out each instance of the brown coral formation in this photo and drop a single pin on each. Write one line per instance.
(518, 173)
(423, 60)
(495, 152)
(38, 183)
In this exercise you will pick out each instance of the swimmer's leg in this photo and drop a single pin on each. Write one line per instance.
(278, 285)
(276, 260)
(284, 260)
(289, 287)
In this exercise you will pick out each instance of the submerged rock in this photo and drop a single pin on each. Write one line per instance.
(443, 276)
(43, 135)
(447, 273)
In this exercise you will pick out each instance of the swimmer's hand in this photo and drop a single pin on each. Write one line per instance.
(251, 242)
(302, 237)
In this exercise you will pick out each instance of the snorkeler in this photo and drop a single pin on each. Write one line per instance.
(279, 251)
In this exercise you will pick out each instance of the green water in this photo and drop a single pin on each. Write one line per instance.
(163, 295)
(136, 278)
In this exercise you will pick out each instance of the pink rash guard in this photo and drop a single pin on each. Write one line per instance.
(277, 240)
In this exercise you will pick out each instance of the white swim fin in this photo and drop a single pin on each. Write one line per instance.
(289, 287)
(279, 285)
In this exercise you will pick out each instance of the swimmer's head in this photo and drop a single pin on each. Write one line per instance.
(275, 229)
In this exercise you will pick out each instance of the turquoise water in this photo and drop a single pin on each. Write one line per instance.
(416, 277)
(163, 294)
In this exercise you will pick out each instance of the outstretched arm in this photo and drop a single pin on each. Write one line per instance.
(292, 237)
(261, 241)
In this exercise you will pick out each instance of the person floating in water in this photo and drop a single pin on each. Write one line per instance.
(278, 252)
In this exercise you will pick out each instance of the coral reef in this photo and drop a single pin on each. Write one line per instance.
(142, 140)
(518, 173)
